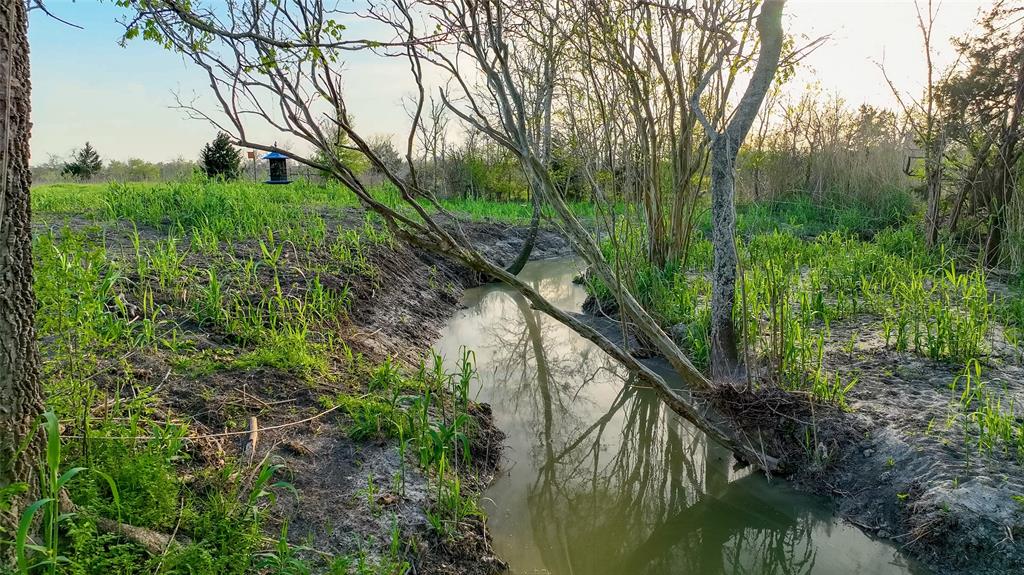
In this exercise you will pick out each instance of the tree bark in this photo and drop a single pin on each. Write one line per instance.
(724, 356)
(725, 146)
(21, 395)
(933, 185)
(531, 238)
(1002, 191)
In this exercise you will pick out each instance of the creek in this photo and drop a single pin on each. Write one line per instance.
(599, 478)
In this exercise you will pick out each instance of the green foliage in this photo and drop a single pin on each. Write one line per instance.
(85, 164)
(794, 285)
(341, 151)
(805, 216)
(990, 417)
(33, 555)
(220, 159)
(133, 170)
(145, 471)
(78, 199)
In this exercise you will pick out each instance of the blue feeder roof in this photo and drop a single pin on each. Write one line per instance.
(275, 156)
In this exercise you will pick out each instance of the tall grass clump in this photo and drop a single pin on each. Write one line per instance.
(68, 199)
(990, 418)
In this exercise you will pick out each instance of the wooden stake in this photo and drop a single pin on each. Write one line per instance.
(254, 436)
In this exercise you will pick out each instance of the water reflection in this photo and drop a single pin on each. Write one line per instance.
(602, 479)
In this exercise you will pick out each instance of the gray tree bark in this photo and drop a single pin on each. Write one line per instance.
(21, 395)
(531, 238)
(724, 355)
(724, 147)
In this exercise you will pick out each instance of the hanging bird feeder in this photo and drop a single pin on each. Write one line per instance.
(278, 168)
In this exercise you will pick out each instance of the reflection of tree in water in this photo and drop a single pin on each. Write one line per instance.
(638, 490)
(527, 346)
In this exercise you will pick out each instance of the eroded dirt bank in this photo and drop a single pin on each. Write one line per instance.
(349, 501)
(348, 497)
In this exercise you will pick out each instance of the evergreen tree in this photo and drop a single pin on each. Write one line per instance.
(86, 164)
(220, 159)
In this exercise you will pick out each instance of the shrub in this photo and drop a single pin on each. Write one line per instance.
(84, 165)
(220, 159)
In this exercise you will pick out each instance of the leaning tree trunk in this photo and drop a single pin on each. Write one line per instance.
(531, 239)
(725, 146)
(20, 390)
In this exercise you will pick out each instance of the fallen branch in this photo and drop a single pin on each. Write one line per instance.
(211, 435)
(154, 542)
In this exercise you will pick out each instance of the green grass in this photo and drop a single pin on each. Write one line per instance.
(217, 211)
(256, 269)
(990, 419)
(428, 412)
(801, 272)
(805, 216)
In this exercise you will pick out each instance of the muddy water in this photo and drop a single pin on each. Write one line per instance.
(600, 479)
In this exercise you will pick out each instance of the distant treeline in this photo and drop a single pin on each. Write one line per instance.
(131, 170)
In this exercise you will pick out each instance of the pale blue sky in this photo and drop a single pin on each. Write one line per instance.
(86, 87)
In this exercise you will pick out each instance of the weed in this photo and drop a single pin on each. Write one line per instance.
(31, 555)
(985, 413)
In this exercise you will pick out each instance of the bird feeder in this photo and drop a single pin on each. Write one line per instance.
(278, 168)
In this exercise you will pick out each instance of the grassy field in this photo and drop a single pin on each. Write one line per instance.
(190, 204)
(158, 306)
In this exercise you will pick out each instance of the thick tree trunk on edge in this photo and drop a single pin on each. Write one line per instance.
(21, 396)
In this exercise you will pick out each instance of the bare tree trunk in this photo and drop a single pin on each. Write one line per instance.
(933, 185)
(21, 395)
(725, 146)
(724, 356)
(1002, 191)
(531, 239)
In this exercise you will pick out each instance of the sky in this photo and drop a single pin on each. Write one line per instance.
(85, 87)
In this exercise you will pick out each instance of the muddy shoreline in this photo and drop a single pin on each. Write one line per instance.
(894, 462)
